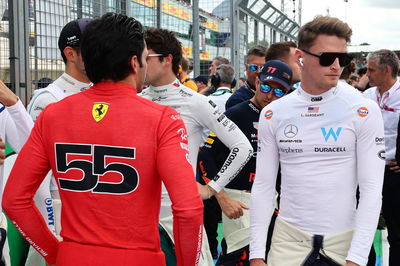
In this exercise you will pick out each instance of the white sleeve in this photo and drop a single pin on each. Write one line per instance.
(37, 104)
(233, 138)
(370, 171)
(263, 190)
(18, 126)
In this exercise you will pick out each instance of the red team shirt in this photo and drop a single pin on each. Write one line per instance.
(109, 176)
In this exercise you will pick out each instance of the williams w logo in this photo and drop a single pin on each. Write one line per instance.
(331, 132)
(99, 110)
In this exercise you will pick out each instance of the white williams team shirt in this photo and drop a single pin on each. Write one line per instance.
(199, 112)
(62, 87)
(389, 103)
(327, 145)
(15, 127)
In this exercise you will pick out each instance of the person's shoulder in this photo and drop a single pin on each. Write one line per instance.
(353, 96)
(238, 108)
(243, 90)
(370, 92)
(186, 92)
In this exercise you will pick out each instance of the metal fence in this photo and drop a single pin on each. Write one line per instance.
(207, 28)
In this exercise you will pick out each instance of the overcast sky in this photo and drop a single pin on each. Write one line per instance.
(376, 22)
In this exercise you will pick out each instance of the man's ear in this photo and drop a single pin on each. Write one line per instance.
(134, 64)
(69, 53)
(299, 56)
(388, 70)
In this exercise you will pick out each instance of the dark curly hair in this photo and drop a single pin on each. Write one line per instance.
(108, 45)
(165, 42)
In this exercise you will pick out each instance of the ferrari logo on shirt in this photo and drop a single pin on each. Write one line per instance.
(99, 111)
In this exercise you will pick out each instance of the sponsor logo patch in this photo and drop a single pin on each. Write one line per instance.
(362, 111)
(212, 103)
(331, 132)
(380, 141)
(99, 111)
(291, 131)
(268, 114)
(219, 119)
(290, 150)
(316, 99)
(330, 149)
(209, 141)
(381, 154)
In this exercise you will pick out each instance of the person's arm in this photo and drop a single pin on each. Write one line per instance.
(232, 137)
(370, 171)
(263, 190)
(18, 121)
(177, 174)
(210, 159)
(28, 172)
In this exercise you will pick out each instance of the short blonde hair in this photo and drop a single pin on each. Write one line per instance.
(323, 25)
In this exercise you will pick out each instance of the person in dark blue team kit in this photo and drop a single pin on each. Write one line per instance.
(272, 83)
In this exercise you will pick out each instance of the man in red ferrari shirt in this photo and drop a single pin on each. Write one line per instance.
(109, 150)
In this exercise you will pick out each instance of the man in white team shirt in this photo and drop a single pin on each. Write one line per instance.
(197, 112)
(72, 81)
(327, 139)
(383, 66)
(15, 127)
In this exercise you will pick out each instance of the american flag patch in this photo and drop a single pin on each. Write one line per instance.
(313, 110)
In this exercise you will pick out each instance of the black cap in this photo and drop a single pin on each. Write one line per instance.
(202, 79)
(278, 71)
(71, 34)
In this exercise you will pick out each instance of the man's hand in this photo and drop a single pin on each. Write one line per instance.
(350, 263)
(203, 190)
(257, 262)
(394, 166)
(7, 97)
(2, 153)
(233, 209)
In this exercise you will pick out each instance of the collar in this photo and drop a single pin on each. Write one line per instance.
(166, 89)
(222, 90)
(254, 107)
(317, 98)
(250, 87)
(112, 88)
(70, 85)
(390, 92)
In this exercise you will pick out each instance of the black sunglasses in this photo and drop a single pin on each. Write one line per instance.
(327, 59)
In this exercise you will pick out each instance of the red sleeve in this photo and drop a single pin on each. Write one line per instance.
(29, 170)
(177, 174)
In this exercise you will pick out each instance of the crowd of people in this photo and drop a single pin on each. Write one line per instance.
(125, 160)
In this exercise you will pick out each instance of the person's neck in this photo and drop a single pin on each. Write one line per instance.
(253, 100)
(76, 74)
(165, 79)
(224, 85)
(312, 88)
(131, 81)
(387, 84)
